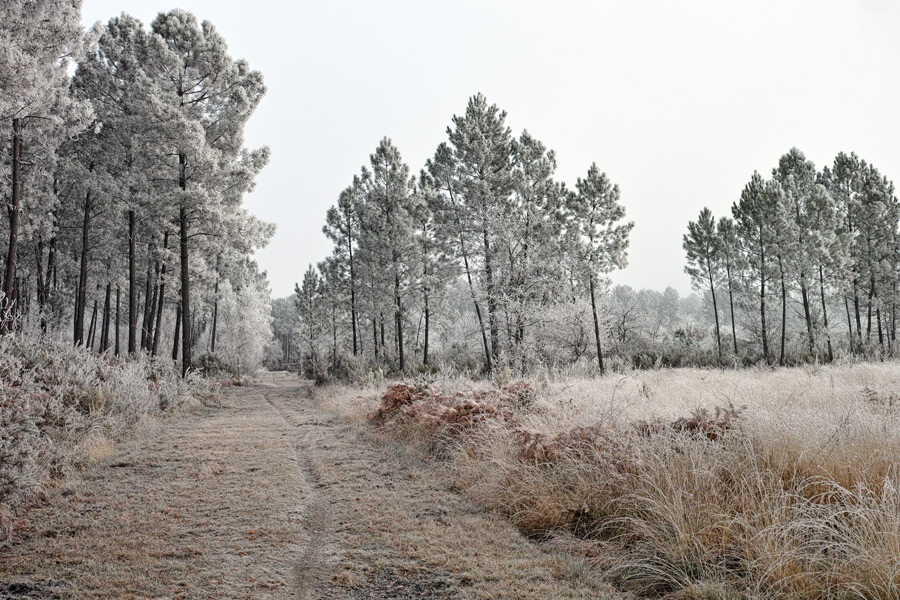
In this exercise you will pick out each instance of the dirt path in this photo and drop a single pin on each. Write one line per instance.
(270, 497)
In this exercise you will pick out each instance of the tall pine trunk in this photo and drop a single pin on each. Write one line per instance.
(352, 293)
(45, 278)
(162, 296)
(92, 329)
(807, 314)
(132, 284)
(869, 309)
(731, 304)
(177, 332)
(489, 363)
(427, 322)
(857, 311)
(334, 335)
(185, 273)
(185, 285)
(783, 311)
(398, 317)
(41, 294)
(596, 326)
(81, 293)
(491, 297)
(375, 336)
(762, 298)
(7, 303)
(215, 323)
(849, 321)
(712, 291)
(149, 293)
(825, 313)
(104, 335)
(118, 297)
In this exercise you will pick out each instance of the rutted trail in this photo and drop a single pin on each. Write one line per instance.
(269, 496)
(394, 531)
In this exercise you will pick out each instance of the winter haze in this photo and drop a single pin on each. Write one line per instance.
(677, 102)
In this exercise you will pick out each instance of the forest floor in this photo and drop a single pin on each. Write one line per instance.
(269, 496)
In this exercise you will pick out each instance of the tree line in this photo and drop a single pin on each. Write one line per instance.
(801, 252)
(483, 241)
(125, 180)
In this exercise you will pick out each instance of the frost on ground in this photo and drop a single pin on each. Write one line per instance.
(679, 483)
(270, 496)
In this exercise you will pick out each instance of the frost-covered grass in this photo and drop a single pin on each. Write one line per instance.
(794, 494)
(60, 406)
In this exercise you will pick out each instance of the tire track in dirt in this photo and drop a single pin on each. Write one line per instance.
(310, 568)
(271, 497)
(379, 524)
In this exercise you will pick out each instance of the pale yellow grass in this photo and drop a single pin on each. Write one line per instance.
(802, 500)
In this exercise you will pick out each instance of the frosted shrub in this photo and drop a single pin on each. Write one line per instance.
(686, 484)
(56, 400)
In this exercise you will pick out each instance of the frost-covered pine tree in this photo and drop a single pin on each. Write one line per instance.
(877, 218)
(531, 239)
(753, 218)
(387, 235)
(342, 227)
(595, 216)
(842, 181)
(311, 321)
(479, 171)
(703, 248)
(434, 255)
(38, 39)
(796, 176)
(208, 97)
(455, 229)
(731, 260)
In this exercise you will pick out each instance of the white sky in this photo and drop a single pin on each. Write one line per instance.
(678, 102)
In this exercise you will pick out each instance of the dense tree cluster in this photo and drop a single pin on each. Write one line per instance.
(125, 182)
(482, 252)
(800, 253)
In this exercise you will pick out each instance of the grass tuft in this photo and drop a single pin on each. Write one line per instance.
(683, 483)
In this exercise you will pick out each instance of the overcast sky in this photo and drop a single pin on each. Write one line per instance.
(678, 102)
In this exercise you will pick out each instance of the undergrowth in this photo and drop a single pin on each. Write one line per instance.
(60, 405)
(680, 484)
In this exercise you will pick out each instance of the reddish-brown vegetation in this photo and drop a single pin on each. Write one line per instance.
(426, 406)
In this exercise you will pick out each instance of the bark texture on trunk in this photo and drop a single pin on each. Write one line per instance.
(7, 303)
(81, 293)
(596, 326)
(162, 296)
(132, 284)
(118, 304)
(185, 275)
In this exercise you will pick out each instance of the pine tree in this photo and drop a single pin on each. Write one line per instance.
(480, 173)
(436, 266)
(342, 228)
(727, 234)
(796, 177)
(38, 38)
(531, 237)
(595, 216)
(308, 299)
(843, 183)
(704, 254)
(456, 226)
(753, 217)
(209, 97)
(387, 232)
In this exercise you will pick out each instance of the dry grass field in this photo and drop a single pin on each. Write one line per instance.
(677, 483)
(269, 496)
